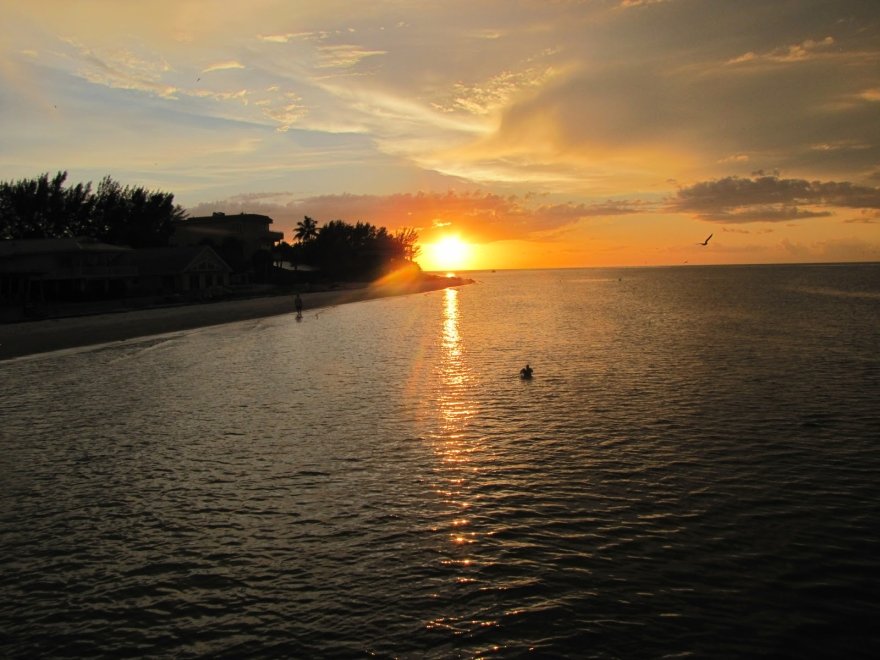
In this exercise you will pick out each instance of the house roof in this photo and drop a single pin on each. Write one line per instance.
(35, 246)
(222, 218)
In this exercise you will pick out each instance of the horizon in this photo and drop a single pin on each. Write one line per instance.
(465, 271)
(571, 135)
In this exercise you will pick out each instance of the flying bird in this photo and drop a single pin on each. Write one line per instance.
(706, 242)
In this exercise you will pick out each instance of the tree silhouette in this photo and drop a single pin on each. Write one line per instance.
(408, 238)
(306, 230)
(360, 250)
(44, 208)
(134, 216)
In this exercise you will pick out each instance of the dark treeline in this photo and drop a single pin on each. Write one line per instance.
(354, 250)
(136, 217)
(112, 213)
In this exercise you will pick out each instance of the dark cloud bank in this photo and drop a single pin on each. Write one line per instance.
(770, 199)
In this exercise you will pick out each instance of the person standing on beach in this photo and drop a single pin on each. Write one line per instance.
(298, 304)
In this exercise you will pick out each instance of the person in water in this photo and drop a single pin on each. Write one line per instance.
(526, 372)
(298, 304)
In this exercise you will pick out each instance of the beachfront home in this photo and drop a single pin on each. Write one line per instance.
(62, 268)
(179, 270)
(250, 229)
(40, 273)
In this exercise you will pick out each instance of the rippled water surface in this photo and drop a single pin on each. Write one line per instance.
(692, 471)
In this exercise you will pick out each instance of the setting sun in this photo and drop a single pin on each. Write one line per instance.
(447, 253)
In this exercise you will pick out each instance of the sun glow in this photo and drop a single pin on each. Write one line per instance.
(448, 253)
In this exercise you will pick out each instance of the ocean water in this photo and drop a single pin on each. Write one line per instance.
(693, 471)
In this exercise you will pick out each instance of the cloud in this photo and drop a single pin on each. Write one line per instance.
(343, 56)
(865, 218)
(480, 216)
(763, 214)
(770, 199)
(488, 96)
(794, 53)
(285, 38)
(121, 68)
(286, 113)
(840, 145)
(224, 66)
(628, 4)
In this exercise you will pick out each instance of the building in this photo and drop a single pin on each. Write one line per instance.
(62, 268)
(182, 270)
(250, 229)
(34, 273)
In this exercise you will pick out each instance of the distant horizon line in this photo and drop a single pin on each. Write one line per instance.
(456, 271)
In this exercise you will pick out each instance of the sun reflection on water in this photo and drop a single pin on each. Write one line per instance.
(454, 405)
(458, 466)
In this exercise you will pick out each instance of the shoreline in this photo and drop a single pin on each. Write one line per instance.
(33, 337)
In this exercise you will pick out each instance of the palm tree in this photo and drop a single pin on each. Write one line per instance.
(306, 230)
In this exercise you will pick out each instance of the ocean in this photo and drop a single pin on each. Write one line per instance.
(694, 470)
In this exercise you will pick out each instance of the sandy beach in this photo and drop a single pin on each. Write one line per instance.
(30, 337)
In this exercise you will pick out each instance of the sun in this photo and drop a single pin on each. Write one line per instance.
(447, 253)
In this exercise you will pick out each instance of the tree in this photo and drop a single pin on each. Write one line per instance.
(408, 239)
(289, 253)
(306, 230)
(360, 250)
(44, 208)
(134, 216)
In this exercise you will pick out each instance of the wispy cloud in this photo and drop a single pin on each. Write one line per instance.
(800, 52)
(121, 68)
(341, 56)
(284, 38)
(287, 114)
(629, 4)
(224, 66)
(496, 92)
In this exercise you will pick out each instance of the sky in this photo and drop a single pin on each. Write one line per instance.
(541, 133)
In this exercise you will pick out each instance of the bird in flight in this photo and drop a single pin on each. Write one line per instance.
(706, 242)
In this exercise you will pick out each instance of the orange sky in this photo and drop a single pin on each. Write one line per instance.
(567, 133)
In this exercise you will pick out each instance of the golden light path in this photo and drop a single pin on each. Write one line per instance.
(460, 465)
(455, 410)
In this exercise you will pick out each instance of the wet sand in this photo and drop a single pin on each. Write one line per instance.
(30, 337)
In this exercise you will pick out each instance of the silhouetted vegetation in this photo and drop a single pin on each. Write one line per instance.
(292, 254)
(306, 230)
(134, 216)
(116, 214)
(360, 250)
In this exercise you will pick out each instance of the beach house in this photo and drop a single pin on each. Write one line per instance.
(62, 268)
(38, 275)
(245, 240)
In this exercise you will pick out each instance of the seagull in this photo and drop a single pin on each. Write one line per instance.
(706, 242)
